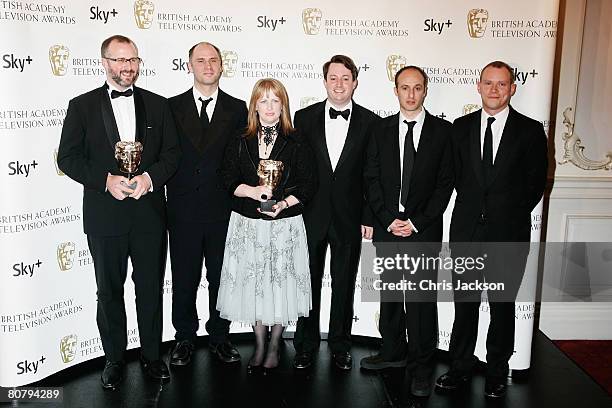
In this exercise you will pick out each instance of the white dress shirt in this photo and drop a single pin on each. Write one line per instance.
(335, 132)
(497, 129)
(210, 108)
(125, 114)
(124, 111)
(416, 137)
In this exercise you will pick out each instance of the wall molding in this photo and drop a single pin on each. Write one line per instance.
(576, 321)
(574, 149)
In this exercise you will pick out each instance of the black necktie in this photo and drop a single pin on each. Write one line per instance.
(487, 152)
(333, 114)
(409, 153)
(116, 94)
(204, 120)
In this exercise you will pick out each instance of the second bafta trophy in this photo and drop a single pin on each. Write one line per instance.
(270, 173)
(128, 156)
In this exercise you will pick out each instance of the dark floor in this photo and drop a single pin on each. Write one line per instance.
(593, 356)
(553, 381)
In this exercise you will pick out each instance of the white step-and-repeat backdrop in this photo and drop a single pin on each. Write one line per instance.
(50, 53)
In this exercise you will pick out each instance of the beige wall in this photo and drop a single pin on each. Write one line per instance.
(579, 207)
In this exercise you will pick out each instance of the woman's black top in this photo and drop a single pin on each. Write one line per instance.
(299, 177)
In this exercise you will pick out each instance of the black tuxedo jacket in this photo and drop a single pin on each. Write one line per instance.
(504, 205)
(341, 193)
(431, 180)
(196, 191)
(87, 154)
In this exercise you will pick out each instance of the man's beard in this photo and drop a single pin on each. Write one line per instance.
(119, 80)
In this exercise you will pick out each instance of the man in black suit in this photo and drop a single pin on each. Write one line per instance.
(337, 130)
(500, 161)
(198, 207)
(409, 174)
(123, 218)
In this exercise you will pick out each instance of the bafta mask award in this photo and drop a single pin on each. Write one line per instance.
(270, 173)
(128, 155)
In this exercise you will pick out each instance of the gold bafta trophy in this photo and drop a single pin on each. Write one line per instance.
(128, 156)
(270, 173)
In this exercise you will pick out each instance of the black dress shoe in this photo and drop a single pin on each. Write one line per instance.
(225, 352)
(343, 360)
(181, 353)
(155, 369)
(495, 389)
(451, 381)
(302, 360)
(112, 374)
(420, 387)
(377, 362)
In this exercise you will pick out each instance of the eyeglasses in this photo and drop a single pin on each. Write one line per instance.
(133, 60)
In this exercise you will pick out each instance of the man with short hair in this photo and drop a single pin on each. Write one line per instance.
(198, 207)
(500, 161)
(409, 177)
(337, 130)
(123, 218)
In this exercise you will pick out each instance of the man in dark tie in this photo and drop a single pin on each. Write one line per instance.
(123, 218)
(198, 207)
(409, 177)
(500, 161)
(337, 130)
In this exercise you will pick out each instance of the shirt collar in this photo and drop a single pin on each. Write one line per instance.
(420, 118)
(349, 106)
(501, 115)
(197, 94)
(111, 87)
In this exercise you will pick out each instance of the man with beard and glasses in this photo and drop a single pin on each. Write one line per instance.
(123, 218)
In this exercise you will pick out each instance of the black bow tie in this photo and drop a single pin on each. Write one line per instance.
(116, 94)
(333, 114)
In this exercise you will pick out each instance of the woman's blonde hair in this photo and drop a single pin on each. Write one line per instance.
(261, 88)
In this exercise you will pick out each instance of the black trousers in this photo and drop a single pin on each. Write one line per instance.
(408, 321)
(505, 263)
(500, 338)
(147, 253)
(191, 245)
(344, 262)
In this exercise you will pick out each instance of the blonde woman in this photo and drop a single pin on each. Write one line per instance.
(265, 279)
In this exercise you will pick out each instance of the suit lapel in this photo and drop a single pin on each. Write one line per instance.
(505, 144)
(352, 134)
(217, 123)
(110, 125)
(425, 143)
(141, 117)
(475, 147)
(320, 141)
(189, 119)
(392, 148)
(253, 150)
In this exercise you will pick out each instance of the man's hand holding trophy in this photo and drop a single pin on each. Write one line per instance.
(128, 156)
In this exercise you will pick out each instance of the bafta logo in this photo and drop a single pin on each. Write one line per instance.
(469, 108)
(57, 169)
(68, 348)
(230, 63)
(311, 20)
(143, 13)
(65, 255)
(58, 58)
(307, 101)
(477, 22)
(394, 64)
